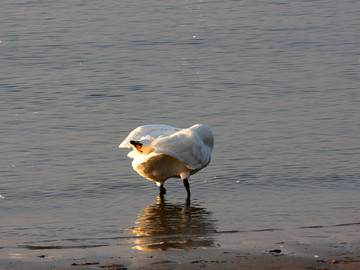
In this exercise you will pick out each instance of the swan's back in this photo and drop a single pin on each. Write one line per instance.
(148, 132)
(192, 146)
(205, 133)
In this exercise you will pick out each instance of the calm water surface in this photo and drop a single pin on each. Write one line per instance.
(277, 82)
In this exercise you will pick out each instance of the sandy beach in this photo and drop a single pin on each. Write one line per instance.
(284, 256)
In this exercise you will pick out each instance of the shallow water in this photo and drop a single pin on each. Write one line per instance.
(278, 83)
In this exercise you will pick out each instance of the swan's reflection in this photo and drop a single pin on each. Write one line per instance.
(164, 225)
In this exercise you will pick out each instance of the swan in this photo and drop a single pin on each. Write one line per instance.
(160, 152)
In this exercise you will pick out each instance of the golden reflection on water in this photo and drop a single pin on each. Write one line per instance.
(165, 225)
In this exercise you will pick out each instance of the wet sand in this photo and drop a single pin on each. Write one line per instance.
(292, 255)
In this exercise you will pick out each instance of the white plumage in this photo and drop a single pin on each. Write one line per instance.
(161, 152)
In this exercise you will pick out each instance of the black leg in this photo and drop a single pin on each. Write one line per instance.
(162, 191)
(187, 186)
(188, 201)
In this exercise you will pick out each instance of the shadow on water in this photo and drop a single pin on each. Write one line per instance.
(165, 225)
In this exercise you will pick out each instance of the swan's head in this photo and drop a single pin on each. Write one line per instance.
(142, 146)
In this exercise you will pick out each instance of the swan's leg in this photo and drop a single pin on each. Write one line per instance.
(162, 190)
(188, 201)
(187, 186)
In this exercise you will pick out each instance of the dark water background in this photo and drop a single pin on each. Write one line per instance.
(277, 82)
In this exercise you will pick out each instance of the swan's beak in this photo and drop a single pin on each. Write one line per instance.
(137, 145)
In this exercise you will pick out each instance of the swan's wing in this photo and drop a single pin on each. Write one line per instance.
(149, 132)
(185, 145)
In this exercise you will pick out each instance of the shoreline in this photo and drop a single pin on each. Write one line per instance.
(292, 255)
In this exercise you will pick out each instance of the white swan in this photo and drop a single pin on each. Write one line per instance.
(161, 152)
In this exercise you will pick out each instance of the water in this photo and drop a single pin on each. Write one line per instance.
(277, 82)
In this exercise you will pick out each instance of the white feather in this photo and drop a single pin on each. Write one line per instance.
(169, 151)
(149, 132)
